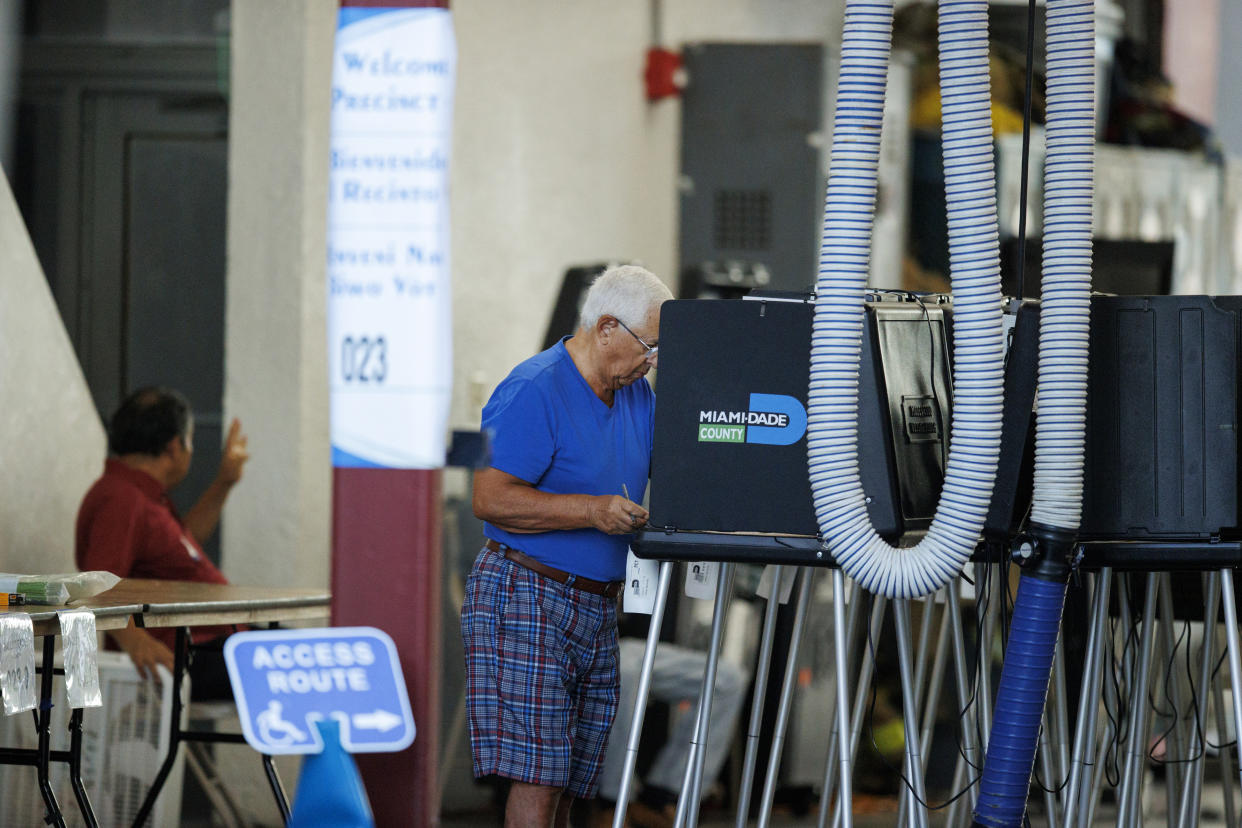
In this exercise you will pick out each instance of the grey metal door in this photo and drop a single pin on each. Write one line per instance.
(122, 178)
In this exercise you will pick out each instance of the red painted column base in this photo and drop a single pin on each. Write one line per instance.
(386, 574)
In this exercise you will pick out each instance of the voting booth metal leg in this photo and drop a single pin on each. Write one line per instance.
(1222, 728)
(1192, 794)
(939, 660)
(1235, 656)
(969, 759)
(762, 666)
(692, 782)
(1096, 776)
(839, 758)
(644, 690)
(988, 576)
(914, 763)
(1060, 715)
(925, 705)
(841, 636)
(935, 686)
(1128, 649)
(1175, 745)
(959, 779)
(1082, 760)
(903, 810)
(1130, 793)
(1048, 771)
(1123, 693)
(878, 608)
(962, 673)
(920, 673)
(787, 686)
(920, 670)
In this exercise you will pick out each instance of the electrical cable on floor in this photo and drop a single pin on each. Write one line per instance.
(1220, 661)
(1109, 761)
(982, 597)
(1122, 735)
(1176, 714)
(898, 772)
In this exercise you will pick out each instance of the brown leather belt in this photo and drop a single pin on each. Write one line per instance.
(609, 589)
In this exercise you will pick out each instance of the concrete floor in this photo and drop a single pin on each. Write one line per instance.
(1211, 814)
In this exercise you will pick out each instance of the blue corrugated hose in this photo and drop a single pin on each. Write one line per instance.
(1023, 689)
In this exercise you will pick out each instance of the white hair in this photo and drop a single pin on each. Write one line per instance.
(628, 292)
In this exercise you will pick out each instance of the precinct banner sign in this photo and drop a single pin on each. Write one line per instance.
(389, 308)
(286, 680)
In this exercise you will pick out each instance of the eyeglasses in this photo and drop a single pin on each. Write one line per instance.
(652, 350)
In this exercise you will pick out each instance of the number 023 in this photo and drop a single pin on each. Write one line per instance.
(364, 359)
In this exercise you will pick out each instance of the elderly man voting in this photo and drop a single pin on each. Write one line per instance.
(571, 442)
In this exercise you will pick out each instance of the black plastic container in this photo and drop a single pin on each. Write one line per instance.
(1162, 414)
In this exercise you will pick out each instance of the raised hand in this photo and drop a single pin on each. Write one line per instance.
(233, 458)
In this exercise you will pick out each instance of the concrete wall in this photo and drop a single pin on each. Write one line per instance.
(558, 158)
(53, 445)
(277, 524)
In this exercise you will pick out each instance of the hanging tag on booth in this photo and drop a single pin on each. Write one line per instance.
(17, 662)
(640, 584)
(765, 582)
(80, 647)
(701, 579)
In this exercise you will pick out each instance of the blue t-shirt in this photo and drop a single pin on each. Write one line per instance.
(551, 430)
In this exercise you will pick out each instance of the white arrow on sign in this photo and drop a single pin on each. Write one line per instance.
(380, 720)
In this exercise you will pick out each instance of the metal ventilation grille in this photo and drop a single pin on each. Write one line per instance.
(743, 220)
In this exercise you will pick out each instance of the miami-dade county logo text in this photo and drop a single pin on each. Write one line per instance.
(773, 420)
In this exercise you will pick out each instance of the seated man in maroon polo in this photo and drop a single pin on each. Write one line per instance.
(128, 526)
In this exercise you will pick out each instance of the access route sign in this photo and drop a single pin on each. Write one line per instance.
(286, 680)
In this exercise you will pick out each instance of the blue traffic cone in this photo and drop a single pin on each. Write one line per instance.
(330, 792)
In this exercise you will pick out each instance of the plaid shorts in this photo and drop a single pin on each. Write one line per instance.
(542, 678)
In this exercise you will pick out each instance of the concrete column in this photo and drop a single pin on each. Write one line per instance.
(277, 524)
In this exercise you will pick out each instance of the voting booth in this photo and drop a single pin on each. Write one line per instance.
(729, 473)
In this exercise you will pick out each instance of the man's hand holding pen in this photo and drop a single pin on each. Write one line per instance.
(617, 514)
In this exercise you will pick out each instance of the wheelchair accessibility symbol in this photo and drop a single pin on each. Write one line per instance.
(275, 730)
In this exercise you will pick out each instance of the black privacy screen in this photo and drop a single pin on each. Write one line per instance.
(730, 436)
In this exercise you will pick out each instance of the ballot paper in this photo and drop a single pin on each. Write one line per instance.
(770, 571)
(640, 584)
(701, 579)
(80, 648)
(17, 662)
